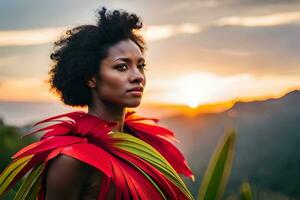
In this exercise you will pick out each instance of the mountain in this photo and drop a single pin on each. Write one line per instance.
(268, 142)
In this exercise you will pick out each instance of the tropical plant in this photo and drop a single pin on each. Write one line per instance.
(11, 142)
(216, 176)
(246, 192)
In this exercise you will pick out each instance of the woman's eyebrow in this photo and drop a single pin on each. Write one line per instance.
(126, 59)
(141, 59)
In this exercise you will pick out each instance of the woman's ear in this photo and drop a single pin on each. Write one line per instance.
(91, 82)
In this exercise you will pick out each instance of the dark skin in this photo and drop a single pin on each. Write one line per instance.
(123, 69)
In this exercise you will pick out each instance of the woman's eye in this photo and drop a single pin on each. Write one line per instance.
(121, 67)
(142, 66)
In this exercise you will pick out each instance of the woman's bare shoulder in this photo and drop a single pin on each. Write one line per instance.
(65, 164)
(65, 176)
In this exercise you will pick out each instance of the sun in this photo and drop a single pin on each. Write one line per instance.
(201, 88)
(189, 89)
(195, 89)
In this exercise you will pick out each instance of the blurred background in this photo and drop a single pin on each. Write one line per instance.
(212, 65)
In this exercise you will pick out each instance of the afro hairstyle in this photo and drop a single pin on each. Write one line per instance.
(78, 53)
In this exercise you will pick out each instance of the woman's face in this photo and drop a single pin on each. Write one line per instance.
(121, 77)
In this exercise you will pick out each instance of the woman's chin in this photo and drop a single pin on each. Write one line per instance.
(133, 104)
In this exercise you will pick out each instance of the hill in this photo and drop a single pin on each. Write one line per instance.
(268, 142)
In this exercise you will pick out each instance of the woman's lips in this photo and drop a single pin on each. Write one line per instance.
(136, 89)
(136, 93)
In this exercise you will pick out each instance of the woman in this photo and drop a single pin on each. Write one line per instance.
(106, 153)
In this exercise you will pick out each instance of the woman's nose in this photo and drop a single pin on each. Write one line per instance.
(137, 76)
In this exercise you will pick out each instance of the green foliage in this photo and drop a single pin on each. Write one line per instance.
(10, 143)
(140, 148)
(246, 193)
(216, 176)
(250, 192)
(11, 172)
(31, 185)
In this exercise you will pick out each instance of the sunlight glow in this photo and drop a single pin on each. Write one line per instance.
(50, 34)
(206, 88)
(265, 20)
(154, 33)
(187, 89)
(25, 89)
(195, 89)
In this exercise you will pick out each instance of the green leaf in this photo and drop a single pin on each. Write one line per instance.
(246, 193)
(11, 172)
(165, 169)
(216, 176)
(26, 188)
(150, 179)
(33, 193)
(148, 157)
(145, 151)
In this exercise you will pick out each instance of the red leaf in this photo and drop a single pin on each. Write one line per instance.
(155, 174)
(48, 144)
(92, 155)
(150, 133)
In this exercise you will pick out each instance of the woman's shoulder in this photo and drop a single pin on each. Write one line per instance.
(65, 177)
(63, 170)
(72, 179)
(63, 161)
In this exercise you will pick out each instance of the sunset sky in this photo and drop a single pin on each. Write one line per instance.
(199, 52)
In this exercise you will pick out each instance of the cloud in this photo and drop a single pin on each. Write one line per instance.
(32, 61)
(48, 35)
(265, 20)
(186, 5)
(20, 89)
(30, 36)
(8, 60)
(200, 88)
(154, 33)
(226, 51)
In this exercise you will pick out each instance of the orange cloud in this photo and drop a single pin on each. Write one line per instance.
(29, 37)
(264, 20)
(50, 34)
(25, 89)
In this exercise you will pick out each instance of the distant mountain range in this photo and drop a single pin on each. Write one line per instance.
(268, 142)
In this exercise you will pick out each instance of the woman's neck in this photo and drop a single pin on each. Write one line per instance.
(109, 113)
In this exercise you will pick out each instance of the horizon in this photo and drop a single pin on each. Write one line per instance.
(18, 113)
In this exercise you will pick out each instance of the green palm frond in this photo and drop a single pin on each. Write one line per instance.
(150, 179)
(29, 188)
(246, 192)
(143, 150)
(11, 172)
(216, 176)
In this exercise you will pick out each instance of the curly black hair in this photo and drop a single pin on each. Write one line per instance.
(78, 54)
